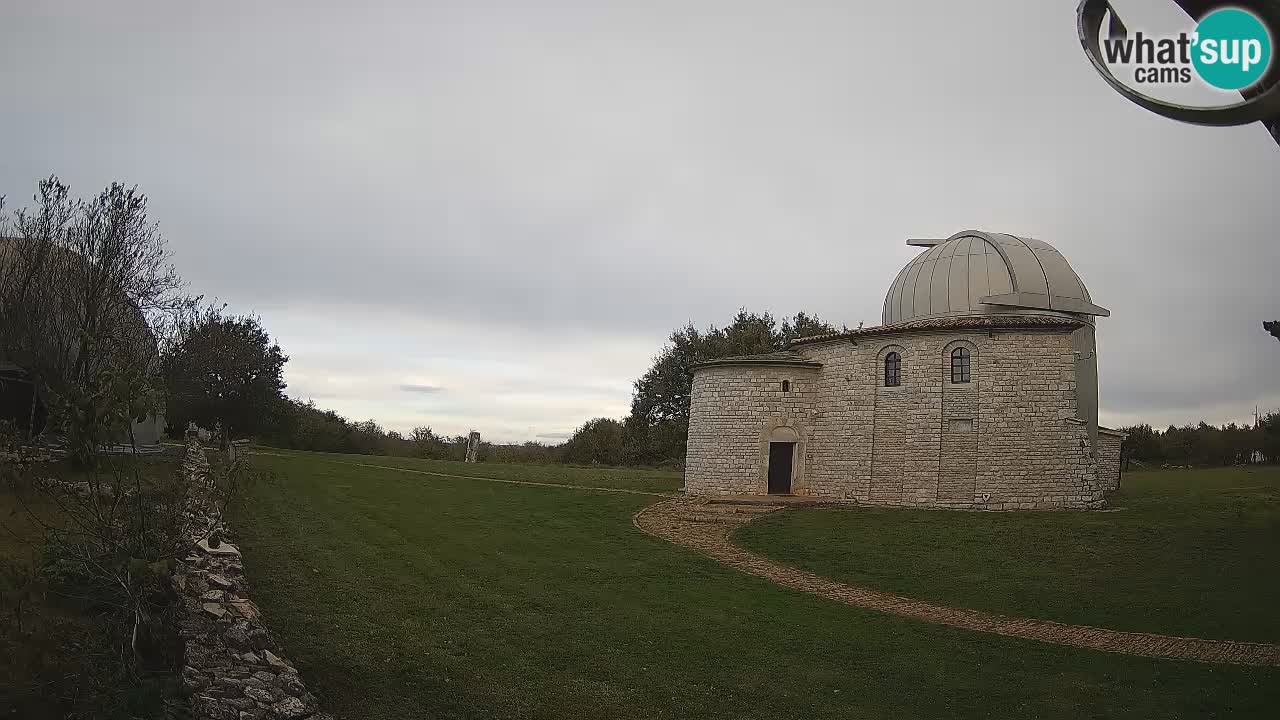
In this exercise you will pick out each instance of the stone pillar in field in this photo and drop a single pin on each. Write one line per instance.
(473, 446)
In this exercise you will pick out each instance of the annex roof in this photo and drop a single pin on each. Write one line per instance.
(970, 322)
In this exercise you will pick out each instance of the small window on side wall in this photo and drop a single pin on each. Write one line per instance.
(892, 370)
(960, 365)
(786, 386)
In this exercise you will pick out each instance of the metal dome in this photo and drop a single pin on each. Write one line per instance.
(979, 273)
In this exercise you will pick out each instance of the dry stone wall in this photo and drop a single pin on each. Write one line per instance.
(1008, 439)
(234, 668)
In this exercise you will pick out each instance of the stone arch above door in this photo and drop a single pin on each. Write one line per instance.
(784, 433)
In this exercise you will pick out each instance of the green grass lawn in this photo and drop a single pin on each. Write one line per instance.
(24, 512)
(405, 595)
(659, 481)
(1193, 552)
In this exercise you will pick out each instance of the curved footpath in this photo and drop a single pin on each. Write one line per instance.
(705, 528)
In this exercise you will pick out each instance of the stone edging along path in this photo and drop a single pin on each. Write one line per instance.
(705, 528)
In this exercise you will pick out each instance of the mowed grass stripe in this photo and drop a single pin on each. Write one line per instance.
(509, 482)
(464, 599)
(658, 481)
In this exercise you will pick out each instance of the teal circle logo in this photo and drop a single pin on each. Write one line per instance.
(1232, 49)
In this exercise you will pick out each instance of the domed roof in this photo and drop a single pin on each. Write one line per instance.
(977, 273)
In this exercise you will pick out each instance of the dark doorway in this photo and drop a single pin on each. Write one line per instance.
(780, 454)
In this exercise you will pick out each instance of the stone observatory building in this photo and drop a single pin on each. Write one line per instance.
(979, 390)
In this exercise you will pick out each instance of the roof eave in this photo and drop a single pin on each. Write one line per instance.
(1035, 301)
(961, 323)
(731, 362)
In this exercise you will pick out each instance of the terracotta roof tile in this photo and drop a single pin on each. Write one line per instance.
(782, 357)
(964, 322)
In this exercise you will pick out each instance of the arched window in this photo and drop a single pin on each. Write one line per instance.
(786, 386)
(960, 365)
(892, 370)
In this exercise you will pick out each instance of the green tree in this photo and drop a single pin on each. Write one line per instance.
(1269, 441)
(598, 441)
(1142, 444)
(224, 370)
(1203, 444)
(427, 444)
(1239, 443)
(84, 287)
(803, 325)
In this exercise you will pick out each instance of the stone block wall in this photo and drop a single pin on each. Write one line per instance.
(1009, 439)
(737, 409)
(840, 447)
(1110, 444)
(959, 451)
(1034, 453)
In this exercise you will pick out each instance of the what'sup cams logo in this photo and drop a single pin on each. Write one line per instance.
(1229, 47)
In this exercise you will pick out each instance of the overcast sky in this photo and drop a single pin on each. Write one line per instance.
(490, 215)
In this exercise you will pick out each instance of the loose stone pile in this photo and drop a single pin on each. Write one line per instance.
(27, 454)
(233, 667)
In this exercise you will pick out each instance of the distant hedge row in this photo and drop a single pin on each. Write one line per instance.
(1205, 445)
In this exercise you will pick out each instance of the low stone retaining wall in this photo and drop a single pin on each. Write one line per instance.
(234, 668)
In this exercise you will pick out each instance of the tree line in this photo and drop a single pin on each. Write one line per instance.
(1204, 445)
(301, 425)
(224, 373)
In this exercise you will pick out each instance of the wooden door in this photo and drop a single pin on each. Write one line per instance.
(780, 459)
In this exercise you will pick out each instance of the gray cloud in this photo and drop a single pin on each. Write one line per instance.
(519, 203)
(422, 389)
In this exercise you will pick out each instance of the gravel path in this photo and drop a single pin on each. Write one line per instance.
(705, 528)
